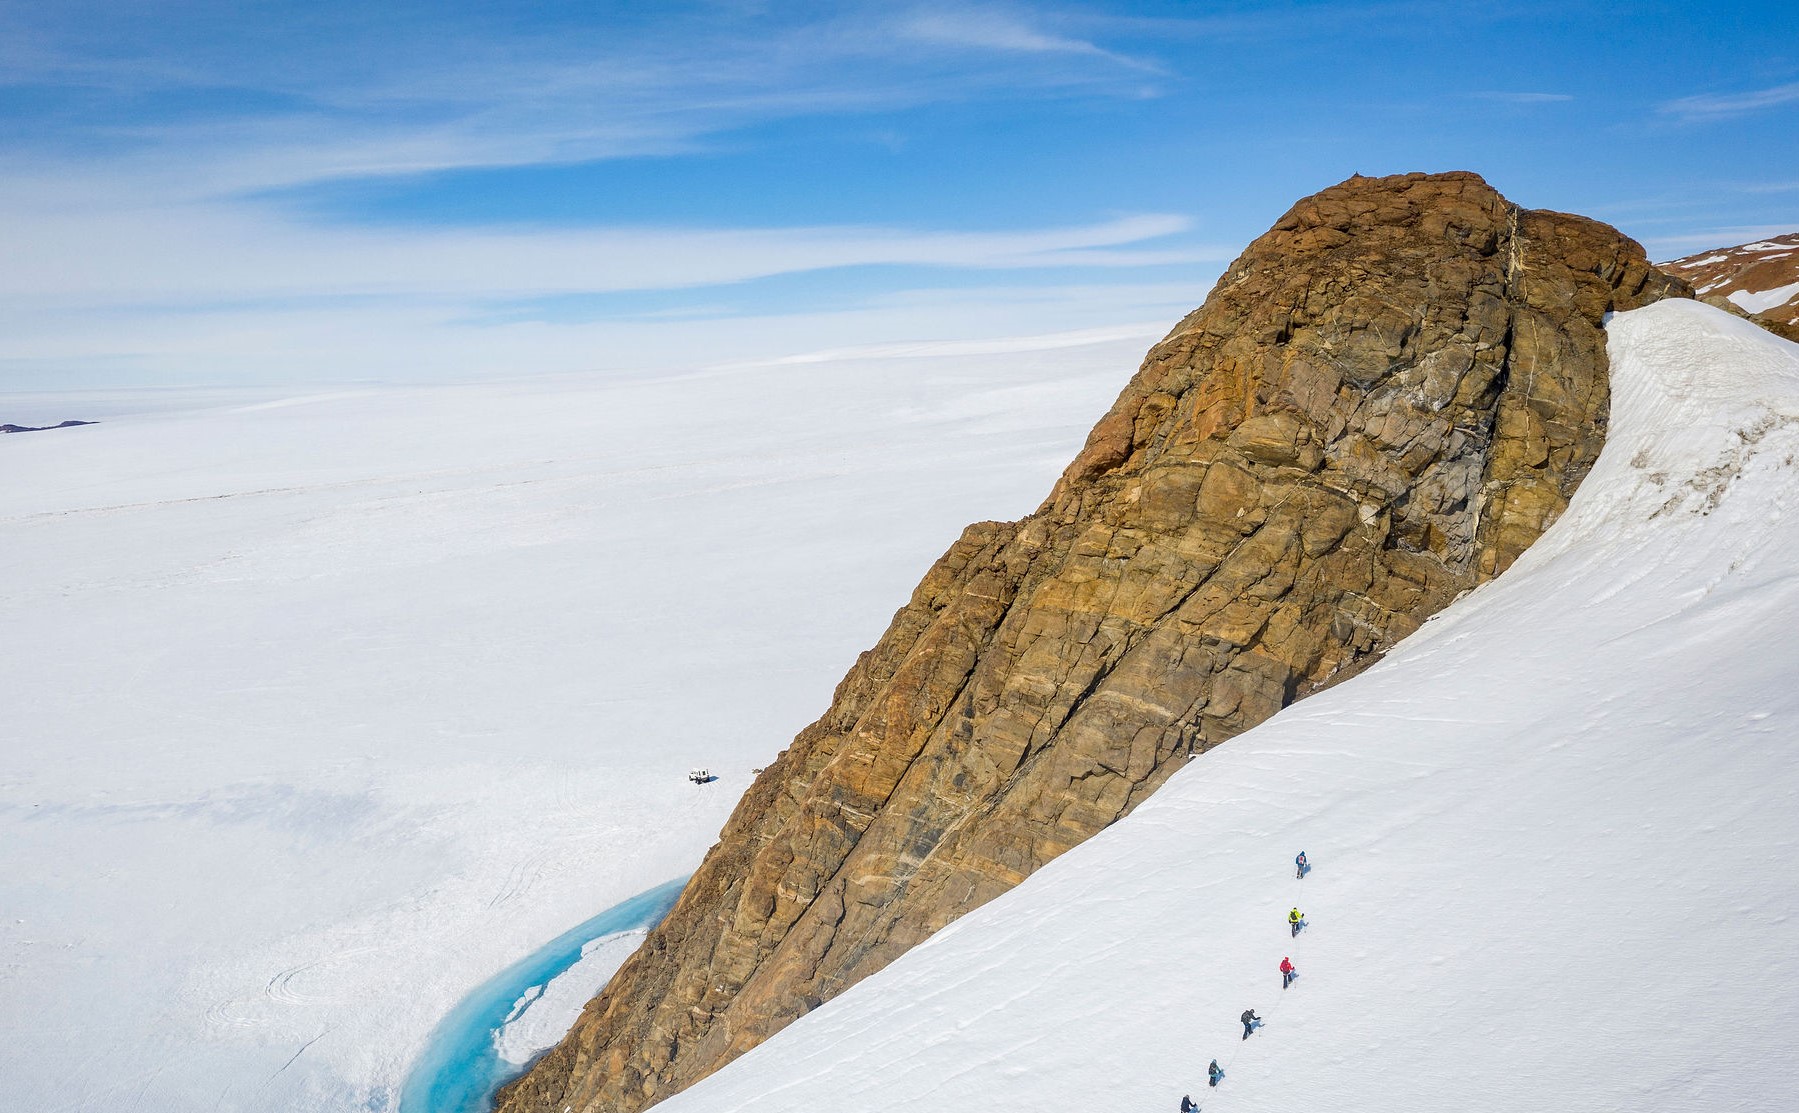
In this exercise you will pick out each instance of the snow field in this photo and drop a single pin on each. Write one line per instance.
(1760, 301)
(1551, 838)
(324, 709)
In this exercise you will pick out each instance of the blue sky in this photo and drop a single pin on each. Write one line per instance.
(253, 192)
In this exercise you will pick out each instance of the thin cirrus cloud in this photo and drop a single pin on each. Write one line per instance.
(1667, 247)
(140, 232)
(993, 29)
(426, 99)
(447, 99)
(390, 339)
(205, 254)
(210, 293)
(1721, 106)
(1525, 98)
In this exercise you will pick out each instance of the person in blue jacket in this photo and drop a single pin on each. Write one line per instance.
(1299, 864)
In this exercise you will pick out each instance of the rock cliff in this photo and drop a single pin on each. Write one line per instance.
(1382, 403)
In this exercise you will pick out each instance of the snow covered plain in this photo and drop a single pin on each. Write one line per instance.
(320, 710)
(1553, 838)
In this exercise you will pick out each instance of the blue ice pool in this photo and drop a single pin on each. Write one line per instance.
(460, 1069)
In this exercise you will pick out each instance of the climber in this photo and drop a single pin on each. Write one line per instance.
(1188, 1105)
(1214, 1073)
(1287, 972)
(1250, 1022)
(1300, 864)
(1297, 920)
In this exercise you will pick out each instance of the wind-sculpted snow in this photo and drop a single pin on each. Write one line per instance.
(1551, 833)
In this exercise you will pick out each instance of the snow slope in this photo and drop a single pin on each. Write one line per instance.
(1763, 300)
(1553, 838)
(321, 710)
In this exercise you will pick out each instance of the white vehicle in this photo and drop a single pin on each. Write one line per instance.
(700, 776)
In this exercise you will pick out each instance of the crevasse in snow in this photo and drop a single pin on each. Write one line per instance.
(1551, 837)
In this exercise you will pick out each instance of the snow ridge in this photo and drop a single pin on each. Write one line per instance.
(1548, 835)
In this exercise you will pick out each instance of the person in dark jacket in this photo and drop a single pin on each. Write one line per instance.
(1250, 1021)
(1214, 1073)
(1287, 972)
(1299, 864)
(1188, 1105)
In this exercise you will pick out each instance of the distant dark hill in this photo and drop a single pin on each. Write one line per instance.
(1759, 280)
(10, 428)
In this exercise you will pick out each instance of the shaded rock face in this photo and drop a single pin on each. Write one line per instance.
(1383, 402)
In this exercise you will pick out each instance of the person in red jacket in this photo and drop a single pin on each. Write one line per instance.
(1287, 972)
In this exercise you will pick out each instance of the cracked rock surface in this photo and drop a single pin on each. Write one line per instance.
(1383, 402)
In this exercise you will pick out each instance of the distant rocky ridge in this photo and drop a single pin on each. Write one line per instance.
(1384, 401)
(11, 428)
(1758, 280)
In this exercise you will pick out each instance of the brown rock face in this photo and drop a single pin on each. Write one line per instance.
(1384, 401)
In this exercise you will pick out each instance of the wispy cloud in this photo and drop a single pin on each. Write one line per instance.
(203, 254)
(155, 193)
(1525, 98)
(163, 287)
(1004, 30)
(386, 339)
(1668, 247)
(1720, 106)
(427, 98)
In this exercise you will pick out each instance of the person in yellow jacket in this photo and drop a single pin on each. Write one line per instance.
(1297, 920)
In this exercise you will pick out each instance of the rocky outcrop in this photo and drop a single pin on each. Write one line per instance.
(11, 428)
(1757, 280)
(1383, 402)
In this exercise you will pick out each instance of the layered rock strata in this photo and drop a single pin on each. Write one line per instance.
(1383, 402)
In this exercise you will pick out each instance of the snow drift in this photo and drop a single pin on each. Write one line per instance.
(1550, 834)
